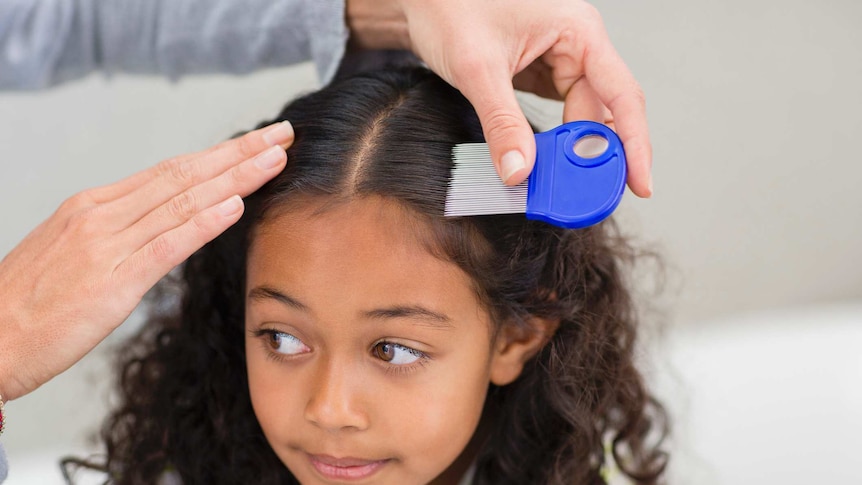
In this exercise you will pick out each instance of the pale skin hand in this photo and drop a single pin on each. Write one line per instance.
(79, 274)
(557, 49)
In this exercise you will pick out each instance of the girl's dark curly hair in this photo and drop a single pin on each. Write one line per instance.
(185, 404)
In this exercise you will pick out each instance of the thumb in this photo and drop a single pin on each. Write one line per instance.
(507, 132)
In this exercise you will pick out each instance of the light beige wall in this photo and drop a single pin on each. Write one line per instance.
(755, 112)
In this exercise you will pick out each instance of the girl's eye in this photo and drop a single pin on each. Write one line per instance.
(396, 354)
(285, 343)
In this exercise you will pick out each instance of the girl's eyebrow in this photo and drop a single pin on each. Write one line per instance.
(413, 312)
(266, 293)
(417, 312)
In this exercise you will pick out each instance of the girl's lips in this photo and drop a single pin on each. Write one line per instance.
(345, 468)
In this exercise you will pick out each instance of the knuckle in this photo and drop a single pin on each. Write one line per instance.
(239, 177)
(501, 122)
(580, 13)
(247, 144)
(162, 249)
(183, 172)
(632, 96)
(183, 206)
(639, 96)
(582, 26)
(202, 224)
(76, 203)
(84, 222)
(590, 13)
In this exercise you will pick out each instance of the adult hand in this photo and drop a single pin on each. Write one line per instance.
(80, 273)
(555, 48)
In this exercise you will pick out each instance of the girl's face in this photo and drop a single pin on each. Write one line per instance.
(368, 358)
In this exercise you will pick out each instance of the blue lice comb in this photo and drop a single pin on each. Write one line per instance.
(578, 179)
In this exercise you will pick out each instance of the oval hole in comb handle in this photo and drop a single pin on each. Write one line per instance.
(586, 130)
(591, 146)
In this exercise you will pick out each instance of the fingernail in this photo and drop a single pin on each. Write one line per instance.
(279, 134)
(511, 163)
(230, 206)
(270, 158)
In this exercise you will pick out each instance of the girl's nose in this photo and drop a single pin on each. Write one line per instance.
(334, 402)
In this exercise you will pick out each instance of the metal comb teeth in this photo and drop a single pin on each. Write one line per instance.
(476, 189)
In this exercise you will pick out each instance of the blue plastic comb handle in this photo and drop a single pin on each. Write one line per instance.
(567, 190)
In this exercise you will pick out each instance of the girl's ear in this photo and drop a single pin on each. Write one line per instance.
(515, 345)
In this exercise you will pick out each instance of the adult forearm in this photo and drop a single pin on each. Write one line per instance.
(46, 42)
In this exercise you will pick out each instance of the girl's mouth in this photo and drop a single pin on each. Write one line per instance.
(347, 468)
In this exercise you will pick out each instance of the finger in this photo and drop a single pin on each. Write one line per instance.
(242, 179)
(582, 103)
(177, 175)
(507, 132)
(617, 89)
(149, 264)
(538, 79)
(224, 153)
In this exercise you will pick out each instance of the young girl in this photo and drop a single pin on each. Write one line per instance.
(344, 331)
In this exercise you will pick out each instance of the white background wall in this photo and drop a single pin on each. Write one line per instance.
(755, 114)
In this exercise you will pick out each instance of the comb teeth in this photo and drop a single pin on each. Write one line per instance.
(475, 188)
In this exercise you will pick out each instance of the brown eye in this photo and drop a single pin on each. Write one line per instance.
(384, 351)
(396, 354)
(283, 343)
(274, 340)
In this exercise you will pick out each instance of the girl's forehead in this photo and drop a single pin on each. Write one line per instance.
(372, 220)
(361, 234)
(355, 257)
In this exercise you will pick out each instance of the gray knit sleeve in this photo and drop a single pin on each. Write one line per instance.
(46, 42)
(4, 466)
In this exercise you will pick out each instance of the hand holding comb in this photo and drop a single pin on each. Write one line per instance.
(578, 179)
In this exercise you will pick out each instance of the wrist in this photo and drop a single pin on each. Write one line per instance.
(377, 24)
